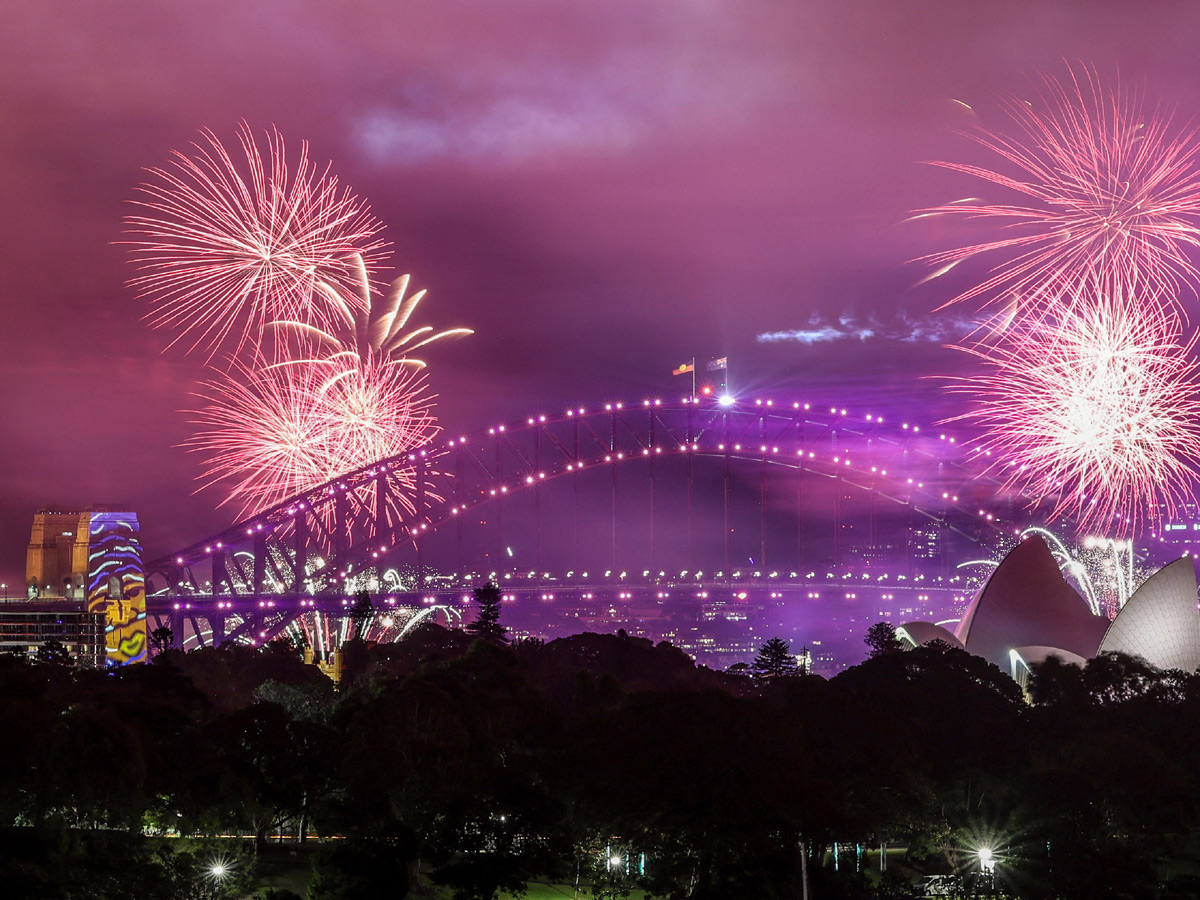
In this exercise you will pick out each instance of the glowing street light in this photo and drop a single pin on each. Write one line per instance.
(987, 860)
(217, 869)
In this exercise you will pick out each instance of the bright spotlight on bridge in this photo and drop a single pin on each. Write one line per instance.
(726, 400)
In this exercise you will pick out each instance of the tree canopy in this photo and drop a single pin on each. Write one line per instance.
(487, 617)
(774, 660)
(482, 765)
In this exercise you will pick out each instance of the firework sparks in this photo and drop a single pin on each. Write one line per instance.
(381, 335)
(1107, 572)
(271, 433)
(343, 400)
(1101, 191)
(226, 248)
(324, 634)
(1095, 411)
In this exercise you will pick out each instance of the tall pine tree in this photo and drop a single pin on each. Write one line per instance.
(774, 660)
(881, 640)
(487, 622)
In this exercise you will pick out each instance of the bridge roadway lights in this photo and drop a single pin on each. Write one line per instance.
(260, 619)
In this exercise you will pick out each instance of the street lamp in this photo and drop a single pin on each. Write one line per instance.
(217, 869)
(987, 860)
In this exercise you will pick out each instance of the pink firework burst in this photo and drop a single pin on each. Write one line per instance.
(1099, 190)
(262, 435)
(271, 433)
(344, 399)
(1096, 410)
(227, 246)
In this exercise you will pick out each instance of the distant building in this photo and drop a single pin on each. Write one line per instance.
(1182, 528)
(92, 556)
(926, 541)
(50, 570)
(25, 627)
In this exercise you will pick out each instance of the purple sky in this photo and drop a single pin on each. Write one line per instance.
(601, 189)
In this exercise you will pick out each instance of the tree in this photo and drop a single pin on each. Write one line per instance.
(162, 639)
(774, 660)
(881, 639)
(487, 622)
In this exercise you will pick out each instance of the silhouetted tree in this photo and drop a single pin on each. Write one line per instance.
(161, 639)
(359, 870)
(487, 622)
(881, 638)
(774, 660)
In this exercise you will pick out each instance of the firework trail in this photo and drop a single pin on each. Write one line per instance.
(325, 634)
(1100, 191)
(382, 333)
(226, 247)
(1094, 410)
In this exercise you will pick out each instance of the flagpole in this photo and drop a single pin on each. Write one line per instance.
(693, 379)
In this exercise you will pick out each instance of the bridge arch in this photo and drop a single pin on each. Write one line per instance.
(406, 510)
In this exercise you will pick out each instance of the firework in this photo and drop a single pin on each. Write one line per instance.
(1107, 572)
(1099, 191)
(226, 248)
(325, 634)
(270, 433)
(341, 401)
(1095, 411)
(382, 334)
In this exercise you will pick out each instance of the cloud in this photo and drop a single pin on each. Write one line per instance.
(607, 92)
(935, 329)
(508, 129)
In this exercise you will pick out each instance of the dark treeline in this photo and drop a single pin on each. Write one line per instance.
(600, 760)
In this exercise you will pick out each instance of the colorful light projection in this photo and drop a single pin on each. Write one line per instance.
(116, 584)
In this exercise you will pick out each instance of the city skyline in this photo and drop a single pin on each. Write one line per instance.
(600, 193)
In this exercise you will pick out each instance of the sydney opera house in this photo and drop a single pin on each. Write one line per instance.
(1027, 612)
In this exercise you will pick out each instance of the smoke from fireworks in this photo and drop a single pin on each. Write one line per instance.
(1100, 191)
(226, 248)
(1094, 410)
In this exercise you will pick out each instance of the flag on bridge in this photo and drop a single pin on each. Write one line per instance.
(715, 365)
(685, 368)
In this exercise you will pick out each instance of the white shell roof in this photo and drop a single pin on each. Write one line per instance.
(1160, 622)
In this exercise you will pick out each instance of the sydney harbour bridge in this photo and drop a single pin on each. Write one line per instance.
(608, 506)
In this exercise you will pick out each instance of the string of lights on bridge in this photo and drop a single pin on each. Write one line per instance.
(836, 464)
(725, 402)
